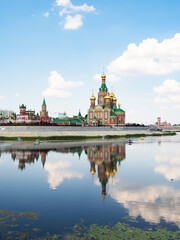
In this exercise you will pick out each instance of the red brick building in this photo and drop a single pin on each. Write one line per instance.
(29, 116)
(106, 111)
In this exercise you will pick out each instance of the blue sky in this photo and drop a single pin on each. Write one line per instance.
(57, 49)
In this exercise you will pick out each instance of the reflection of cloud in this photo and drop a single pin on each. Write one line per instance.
(58, 171)
(151, 203)
(168, 163)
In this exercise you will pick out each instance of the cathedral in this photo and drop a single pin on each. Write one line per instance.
(105, 112)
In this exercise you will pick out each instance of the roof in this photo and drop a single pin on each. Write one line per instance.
(44, 102)
(67, 120)
(79, 114)
(14, 115)
(103, 86)
(22, 105)
(30, 115)
(86, 117)
(37, 115)
(113, 115)
(94, 118)
(118, 110)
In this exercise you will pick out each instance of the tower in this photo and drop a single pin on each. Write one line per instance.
(93, 99)
(44, 113)
(22, 109)
(102, 90)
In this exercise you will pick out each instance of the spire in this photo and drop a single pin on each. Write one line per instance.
(44, 102)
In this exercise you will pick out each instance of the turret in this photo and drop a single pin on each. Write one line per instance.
(22, 109)
(93, 100)
(102, 90)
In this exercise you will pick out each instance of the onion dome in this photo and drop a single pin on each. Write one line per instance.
(112, 95)
(112, 174)
(114, 99)
(107, 173)
(107, 97)
(93, 98)
(103, 75)
(92, 172)
(119, 105)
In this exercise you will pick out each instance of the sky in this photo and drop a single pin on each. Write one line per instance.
(57, 49)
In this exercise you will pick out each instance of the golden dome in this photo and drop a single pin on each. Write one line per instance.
(114, 99)
(114, 170)
(107, 173)
(107, 97)
(112, 174)
(103, 75)
(92, 172)
(119, 105)
(112, 95)
(93, 98)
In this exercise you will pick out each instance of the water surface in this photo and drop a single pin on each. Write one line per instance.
(100, 183)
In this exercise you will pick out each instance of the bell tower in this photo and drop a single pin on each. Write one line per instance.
(102, 90)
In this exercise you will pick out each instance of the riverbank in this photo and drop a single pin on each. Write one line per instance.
(85, 136)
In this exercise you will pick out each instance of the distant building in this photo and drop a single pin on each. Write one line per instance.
(29, 116)
(71, 121)
(162, 124)
(6, 113)
(106, 111)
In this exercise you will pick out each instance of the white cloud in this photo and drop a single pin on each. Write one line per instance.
(149, 57)
(168, 86)
(46, 14)
(63, 3)
(68, 7)
(161, 100)
(73, 23)
(59, 171)
(2, 97)
(16, 95)
(57, 86)
(168, 92)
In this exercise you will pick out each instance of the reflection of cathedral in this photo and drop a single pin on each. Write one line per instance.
(103, 159)
(106, 158)
(28, 157)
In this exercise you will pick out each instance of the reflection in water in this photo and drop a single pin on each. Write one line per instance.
(150, 202)
(28, 157)
(168, 163)
(106, 158)
(153, 202)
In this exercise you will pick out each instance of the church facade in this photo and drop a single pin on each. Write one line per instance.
(106, 111)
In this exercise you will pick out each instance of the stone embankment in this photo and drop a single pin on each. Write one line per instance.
(72, 131)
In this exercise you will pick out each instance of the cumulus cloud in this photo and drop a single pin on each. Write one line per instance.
(168, 86)
(59, 171)
(149, 57)
(168, 92)
(144, 202)
(46, 14)
(68, 7)
(73, 23)
(58, 87)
